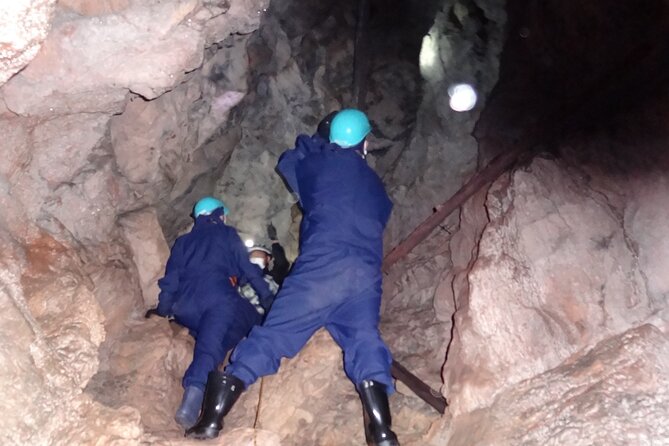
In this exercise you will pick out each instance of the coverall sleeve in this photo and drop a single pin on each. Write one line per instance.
(169, 284)
(281, 264)
(249, 272)
(289, 160)
(286, 168)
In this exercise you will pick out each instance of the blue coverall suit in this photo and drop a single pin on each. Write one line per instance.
(336, 280)
(197, 291)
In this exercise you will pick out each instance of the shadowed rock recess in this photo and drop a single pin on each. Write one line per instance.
(538, 309)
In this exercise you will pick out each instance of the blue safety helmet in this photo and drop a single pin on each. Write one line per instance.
(207, 205)
(349, 128)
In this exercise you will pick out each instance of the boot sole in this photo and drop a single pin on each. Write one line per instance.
(185, 421)
(207, 433)
(385, 443)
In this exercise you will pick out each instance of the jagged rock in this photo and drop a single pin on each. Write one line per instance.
(55, 328)
(143, 47)
(614, 394)
(311, 400)
(144, 371)
(62, 303)
(147, 51)
(454, 284)
(118, 293)
(63, 146)
(149, 251)
(411, 327)
(24, 24)
(60, 172)
(231, 17)
(236, 437)
(545, 225)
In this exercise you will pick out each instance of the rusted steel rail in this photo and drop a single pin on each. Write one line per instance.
(422, 390)
(482, 178)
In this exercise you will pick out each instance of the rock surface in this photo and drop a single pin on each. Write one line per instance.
(78, 263)
(560, 265)
(24, 24)
(150, 252)
(132, 109)
(55, 327)
(544, 225)
(614, 394)
(463, 45)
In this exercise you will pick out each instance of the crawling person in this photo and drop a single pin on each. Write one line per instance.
(197, 292)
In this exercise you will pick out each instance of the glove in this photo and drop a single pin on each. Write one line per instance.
(271, 232)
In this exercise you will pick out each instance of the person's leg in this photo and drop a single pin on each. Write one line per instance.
(245, 318)
(367, 360)
(211, 346)
(290, 323)
(354, 326)
(292, 320)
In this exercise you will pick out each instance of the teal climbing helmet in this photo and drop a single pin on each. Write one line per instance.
(207, 205)
(349, 128)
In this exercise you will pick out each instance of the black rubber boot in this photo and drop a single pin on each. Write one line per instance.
(376, 414)
(220, 395)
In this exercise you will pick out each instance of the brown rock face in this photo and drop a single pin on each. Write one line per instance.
(52, 328)
(545, 225)
(539, 310)
(80, 251)
(150, 251)
(614, 394)
(311, 401)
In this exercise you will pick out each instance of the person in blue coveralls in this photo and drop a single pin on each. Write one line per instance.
(198, 293)
(335, 282)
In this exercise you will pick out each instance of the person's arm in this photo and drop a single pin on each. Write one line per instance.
(169, 284)
(248, 271)
(289, 160)
(286, 167)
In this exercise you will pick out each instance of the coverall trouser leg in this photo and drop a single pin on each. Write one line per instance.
(354, 326)
(218, 331)
(295, 317)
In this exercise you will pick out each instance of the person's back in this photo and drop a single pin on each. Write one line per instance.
(344, 202)
(209, 259)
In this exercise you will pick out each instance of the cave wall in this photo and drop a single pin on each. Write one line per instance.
(553, 291)
(110, 131)
(541, 304)
(562, 334)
